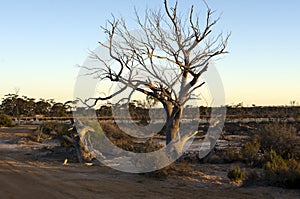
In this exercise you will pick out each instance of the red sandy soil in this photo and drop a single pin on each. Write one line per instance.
(23, 177)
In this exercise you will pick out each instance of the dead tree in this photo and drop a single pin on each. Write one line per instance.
(164, 36)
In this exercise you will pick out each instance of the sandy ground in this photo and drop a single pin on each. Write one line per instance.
(23, 177)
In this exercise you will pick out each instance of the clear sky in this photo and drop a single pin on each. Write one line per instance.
(42, 42)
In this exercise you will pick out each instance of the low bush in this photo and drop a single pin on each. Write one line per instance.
(277, 150)
(250, 152)
(282, 138)
(281, 172)
(237, 174)
(5, 121)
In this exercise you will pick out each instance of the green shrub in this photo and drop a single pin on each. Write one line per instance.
(5, 121)
(281, 172)
(250, 152)
(277, 150)
(236, 174)
(282, 138)
(272, 161)
(281, 153)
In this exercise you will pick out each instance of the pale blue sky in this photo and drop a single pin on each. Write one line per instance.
(42, 41)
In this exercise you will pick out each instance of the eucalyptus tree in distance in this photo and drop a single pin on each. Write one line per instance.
(164, 59)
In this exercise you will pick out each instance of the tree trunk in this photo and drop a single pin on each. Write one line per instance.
(173, 124)
(172, 128)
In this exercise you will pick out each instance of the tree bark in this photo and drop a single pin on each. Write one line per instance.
(173, 123)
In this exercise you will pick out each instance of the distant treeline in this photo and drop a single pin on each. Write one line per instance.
(23, 106)
(204, 112)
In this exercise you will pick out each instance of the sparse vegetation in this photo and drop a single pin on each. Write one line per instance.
(237, 174)
(250, 152)
(282, 172)
(276, 149)
(271, 149)
(282, 138)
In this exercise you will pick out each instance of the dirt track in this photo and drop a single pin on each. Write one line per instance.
(23, 177)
